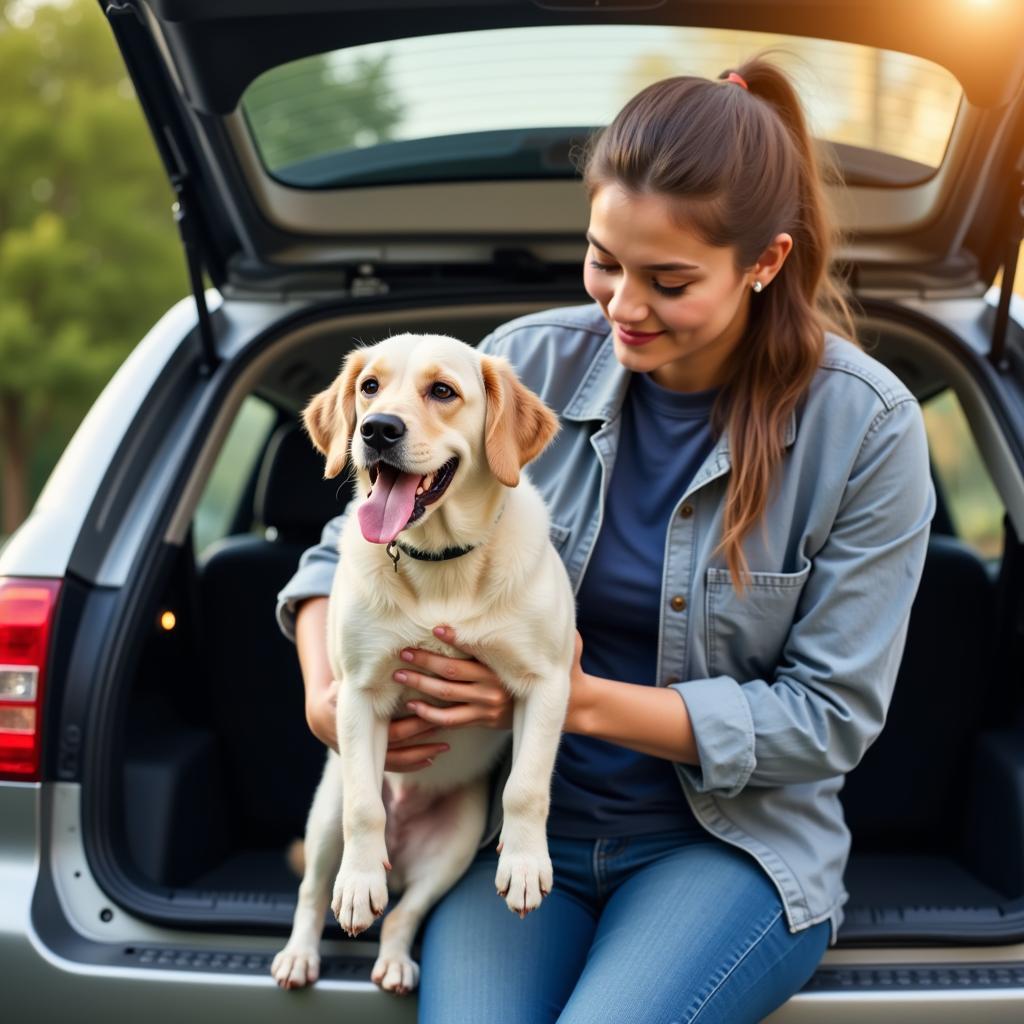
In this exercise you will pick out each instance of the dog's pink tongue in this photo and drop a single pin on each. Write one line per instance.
(383, 515)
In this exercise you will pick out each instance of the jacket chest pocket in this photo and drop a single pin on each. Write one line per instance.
(745, 635)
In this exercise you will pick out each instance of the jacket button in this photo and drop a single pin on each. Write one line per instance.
(686, 511)
(678, 603)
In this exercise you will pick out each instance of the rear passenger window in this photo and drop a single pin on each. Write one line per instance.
(971, 499)
(232, 472)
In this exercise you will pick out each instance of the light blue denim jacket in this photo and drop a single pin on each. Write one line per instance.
(787, 686)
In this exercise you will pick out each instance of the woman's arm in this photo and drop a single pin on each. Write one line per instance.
(648, 719)
(317, 678)
(644, 718)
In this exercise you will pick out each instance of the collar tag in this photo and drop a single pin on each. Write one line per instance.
(393, 555)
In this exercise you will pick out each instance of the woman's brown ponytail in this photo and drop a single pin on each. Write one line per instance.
(742, 166)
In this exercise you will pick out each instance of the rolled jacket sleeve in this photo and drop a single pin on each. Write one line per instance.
(829, 696)
(314, 576)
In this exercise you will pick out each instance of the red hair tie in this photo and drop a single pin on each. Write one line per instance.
(733, 77)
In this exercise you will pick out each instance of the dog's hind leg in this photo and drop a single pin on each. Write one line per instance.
(436, 851)
(298, 963)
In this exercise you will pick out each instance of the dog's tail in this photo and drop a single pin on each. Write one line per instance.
(295, 855)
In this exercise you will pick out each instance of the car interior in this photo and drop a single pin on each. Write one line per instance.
(218, 766)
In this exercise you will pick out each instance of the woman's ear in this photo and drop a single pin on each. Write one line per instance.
(518, 427)
(770, 261)
(330, 416)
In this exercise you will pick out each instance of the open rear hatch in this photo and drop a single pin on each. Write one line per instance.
(409, 197)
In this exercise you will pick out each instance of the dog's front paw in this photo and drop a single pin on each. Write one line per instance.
(396, 973)
(524, 877)
(360, 893)
(296, 966)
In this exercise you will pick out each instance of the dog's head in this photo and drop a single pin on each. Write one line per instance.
(424, 418)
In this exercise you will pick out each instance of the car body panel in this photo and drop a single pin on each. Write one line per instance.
(67, 944)
(44, 543)
(72, 525)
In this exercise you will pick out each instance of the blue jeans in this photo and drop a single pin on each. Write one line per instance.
(657, 929)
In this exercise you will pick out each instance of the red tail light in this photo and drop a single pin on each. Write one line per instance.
(26, 614)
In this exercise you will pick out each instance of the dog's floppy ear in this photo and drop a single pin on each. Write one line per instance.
(330, 416)
(519, 425)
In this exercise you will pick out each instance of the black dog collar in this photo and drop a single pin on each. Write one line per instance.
(425, 556)
(433, 556)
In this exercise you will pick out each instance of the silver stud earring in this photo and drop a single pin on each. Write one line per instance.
(757, 286)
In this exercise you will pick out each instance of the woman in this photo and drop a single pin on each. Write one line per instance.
(742, 501)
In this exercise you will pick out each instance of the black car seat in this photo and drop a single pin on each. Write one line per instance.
(272, 761)
(909, 791)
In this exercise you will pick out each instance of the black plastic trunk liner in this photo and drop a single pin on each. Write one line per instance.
(919, 898)
(894, 900)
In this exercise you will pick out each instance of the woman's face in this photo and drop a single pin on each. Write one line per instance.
(678, 306)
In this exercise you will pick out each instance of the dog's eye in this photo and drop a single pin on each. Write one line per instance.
(369, 386)
(442, 392)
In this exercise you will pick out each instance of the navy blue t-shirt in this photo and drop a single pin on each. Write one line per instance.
(599, 788)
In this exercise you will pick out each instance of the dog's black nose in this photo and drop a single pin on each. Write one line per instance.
(381, 431)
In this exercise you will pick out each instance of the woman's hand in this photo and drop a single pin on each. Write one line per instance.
(478, 696)
(402, 756)
(485, 702)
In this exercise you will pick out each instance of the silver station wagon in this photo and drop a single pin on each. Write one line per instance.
(346, 169)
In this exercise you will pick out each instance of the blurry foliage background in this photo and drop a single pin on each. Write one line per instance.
(89, 254)
(90, 257)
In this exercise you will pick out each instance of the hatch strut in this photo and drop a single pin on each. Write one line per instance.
(169, 132)
(186, 228)
(997, 353)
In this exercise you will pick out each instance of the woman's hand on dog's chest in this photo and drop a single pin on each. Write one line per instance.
(476, 693)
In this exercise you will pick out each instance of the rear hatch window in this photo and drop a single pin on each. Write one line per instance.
(513, 102)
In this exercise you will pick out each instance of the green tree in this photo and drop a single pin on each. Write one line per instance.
(89, 256)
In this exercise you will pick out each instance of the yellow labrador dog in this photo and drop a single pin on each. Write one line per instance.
(446, 531)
